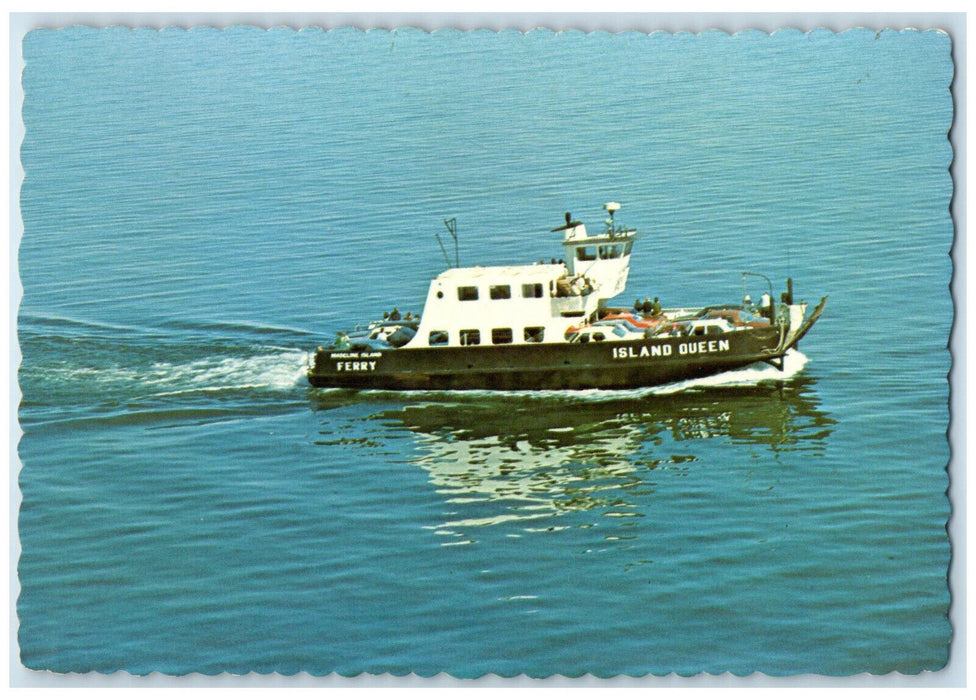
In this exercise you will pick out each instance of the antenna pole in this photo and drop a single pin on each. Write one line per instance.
(447, 260)
(452, 227)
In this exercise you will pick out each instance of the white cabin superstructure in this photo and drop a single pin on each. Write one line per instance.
(521, 304)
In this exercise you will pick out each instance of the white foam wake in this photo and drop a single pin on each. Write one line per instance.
(274, 371)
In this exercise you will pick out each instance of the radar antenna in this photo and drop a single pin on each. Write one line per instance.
(611, 207)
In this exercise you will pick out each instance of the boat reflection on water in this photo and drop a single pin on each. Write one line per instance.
(506, 457)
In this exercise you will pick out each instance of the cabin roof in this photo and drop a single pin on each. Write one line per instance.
(536, 273)
(621, 235)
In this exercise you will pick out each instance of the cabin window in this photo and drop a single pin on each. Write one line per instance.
(598, 337)
(470, 336)
(437, 338)
(467, 293)
(585, 254)
(608, 252)
(500, 291)
(532, 291)
(627, 247)
(534, 334)
(501, 336)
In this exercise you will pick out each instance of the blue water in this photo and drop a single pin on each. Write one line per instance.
(203, 207)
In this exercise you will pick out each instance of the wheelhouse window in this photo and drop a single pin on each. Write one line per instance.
(534, 334)
(532, 291)
(500, 291)
(467, 293)
(609, 252)
(437, 338)
(501, 336)
(470, 336)
(585, 253)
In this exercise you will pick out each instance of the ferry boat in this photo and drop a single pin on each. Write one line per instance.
(550, 326)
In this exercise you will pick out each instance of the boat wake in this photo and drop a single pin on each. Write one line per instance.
(277, 371)
(73, 358)
(270, 370)
(161, 386)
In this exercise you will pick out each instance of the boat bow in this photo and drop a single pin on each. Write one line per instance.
(792, 337)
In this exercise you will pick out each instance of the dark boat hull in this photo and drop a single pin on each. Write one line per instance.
(604, 365)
